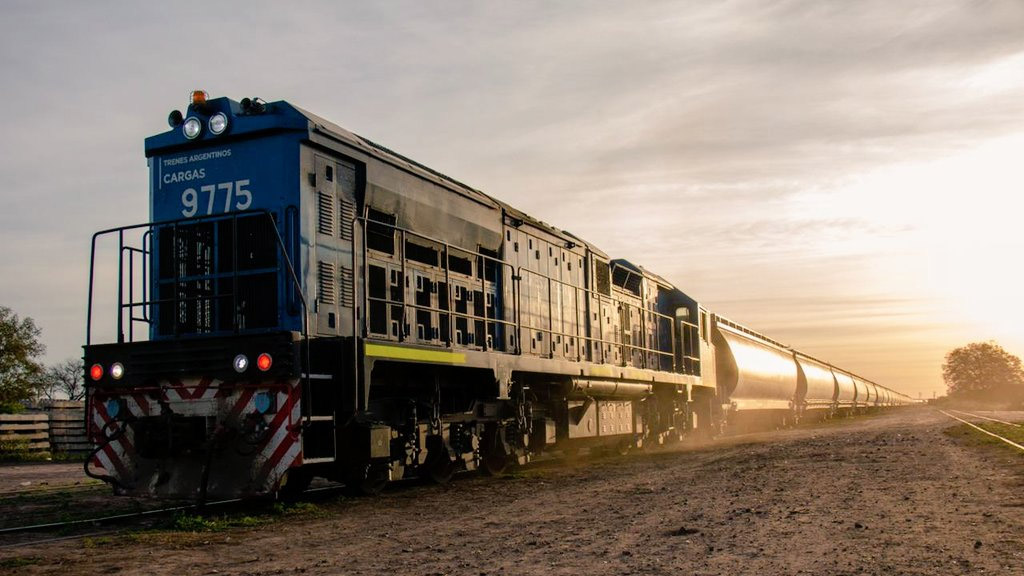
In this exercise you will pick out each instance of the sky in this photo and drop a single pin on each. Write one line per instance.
(844, 177)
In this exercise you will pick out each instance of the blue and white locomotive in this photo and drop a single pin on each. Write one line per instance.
(305, 302)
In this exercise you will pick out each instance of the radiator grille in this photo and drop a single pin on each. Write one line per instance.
(326, 209)
(347, 298)
(326, 273)
(348, 214)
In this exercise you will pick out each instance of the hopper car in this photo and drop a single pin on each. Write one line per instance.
(305, 302)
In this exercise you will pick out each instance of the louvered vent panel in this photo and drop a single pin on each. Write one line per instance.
(347, 297)
(326, 222)
(348, 214)
(327, 273)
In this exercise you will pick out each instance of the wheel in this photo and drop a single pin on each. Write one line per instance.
(494, 462)
(624, 447)
(367, 480)
(439, 469)
(440, 464)
(295, 482)
(494, 456)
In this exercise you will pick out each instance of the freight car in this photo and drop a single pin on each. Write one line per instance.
(762, 382)
(305, 302)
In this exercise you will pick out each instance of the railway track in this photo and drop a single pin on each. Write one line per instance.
(106, 522)
(94, 521)
(987, 418)
(52, 489)
(120, 521)
(982, 429)
(113, 523)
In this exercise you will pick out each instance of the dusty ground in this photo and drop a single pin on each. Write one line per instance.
(888, 494)
(14, 477)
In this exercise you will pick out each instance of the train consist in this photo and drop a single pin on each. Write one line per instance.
(305, 302)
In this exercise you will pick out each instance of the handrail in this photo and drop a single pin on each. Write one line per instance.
(146, 241)
(147, 237)
(605, 299)
(398, 257)
(445, 249)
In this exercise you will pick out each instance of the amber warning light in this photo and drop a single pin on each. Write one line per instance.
(198, 97)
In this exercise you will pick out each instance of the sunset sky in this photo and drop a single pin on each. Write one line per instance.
(846, 177)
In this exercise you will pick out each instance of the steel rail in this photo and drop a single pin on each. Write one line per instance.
(59, 539)
(140, 514)
(979, 428)
(113, 517)
(50, 489)
(986, 418)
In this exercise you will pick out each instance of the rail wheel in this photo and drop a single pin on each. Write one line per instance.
(368, 479)
(296, 481)
(494, 463)
(440, 464)
(494, 453)
(624, 447)
(439, 469)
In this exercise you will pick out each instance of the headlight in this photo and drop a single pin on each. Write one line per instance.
(218, 123)
(192, 128)
(116, 370)
(241, 363)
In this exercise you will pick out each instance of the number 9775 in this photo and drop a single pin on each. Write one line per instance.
(212, 197)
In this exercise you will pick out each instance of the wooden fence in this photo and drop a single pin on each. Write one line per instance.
(58, 427)
(67, 426)
(20, 433)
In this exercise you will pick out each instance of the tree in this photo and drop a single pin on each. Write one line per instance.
(64, 379)
(19, 348)
(983, 371)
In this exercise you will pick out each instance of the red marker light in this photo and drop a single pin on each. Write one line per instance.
(96, 372)
(264, 362)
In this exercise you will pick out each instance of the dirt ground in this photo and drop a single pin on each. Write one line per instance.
(47, 475)
(886, 494)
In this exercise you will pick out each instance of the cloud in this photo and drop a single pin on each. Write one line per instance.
(737, 148)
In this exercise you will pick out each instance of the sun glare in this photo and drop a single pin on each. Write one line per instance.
(1000, 76)
(949, 230)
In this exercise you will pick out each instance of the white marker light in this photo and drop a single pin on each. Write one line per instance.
(218, 123)
(116, 370)
(241, 363)
(192, 127)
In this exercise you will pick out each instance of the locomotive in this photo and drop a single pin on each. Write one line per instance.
(305, 302)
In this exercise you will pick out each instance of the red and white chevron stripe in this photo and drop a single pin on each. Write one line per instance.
(178, 391)
(279, 450)
(115, 456)
(282, 449)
